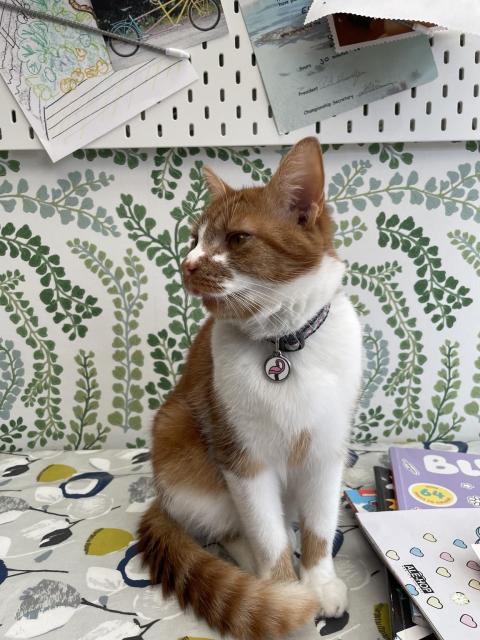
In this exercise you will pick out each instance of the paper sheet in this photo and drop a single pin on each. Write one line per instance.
(168, 23)
(430, 554)
(414, 633)
(461, 15)
(64, 83)
(307, 81)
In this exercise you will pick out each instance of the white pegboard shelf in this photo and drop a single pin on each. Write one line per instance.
(228, 106)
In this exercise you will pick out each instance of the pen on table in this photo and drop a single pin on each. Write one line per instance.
(65, 22)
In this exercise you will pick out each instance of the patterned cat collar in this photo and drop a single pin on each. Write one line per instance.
(277, 366)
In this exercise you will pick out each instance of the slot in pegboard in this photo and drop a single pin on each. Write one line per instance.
(228, 106)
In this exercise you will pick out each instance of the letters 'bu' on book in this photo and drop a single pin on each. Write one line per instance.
(426, 479)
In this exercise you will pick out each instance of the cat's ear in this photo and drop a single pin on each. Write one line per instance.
(299, 182)
(217, 188)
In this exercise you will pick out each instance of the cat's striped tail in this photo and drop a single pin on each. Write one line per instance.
(230, 600)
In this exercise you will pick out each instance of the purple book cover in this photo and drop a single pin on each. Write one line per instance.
(426, 479)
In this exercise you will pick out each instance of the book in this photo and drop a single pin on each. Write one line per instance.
(404, 615)
(306, 80)
(362, 499)
(432, 557)
(426, 479)
(386, 500)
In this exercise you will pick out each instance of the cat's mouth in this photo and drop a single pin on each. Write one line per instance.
(224, 301)
(207, 293)
(206, 297)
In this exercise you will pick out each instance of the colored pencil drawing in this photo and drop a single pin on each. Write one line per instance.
(45, 59)
(50, 68)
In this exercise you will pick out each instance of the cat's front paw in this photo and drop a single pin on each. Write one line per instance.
(332, 596)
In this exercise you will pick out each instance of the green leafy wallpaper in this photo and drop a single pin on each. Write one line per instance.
(95, 324)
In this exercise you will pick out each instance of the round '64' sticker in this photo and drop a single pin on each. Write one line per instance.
(434, 495)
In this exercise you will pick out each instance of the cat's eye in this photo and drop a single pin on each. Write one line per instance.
(193, 241)
(235, 240)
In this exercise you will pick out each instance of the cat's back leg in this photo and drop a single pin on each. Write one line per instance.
(190, 484)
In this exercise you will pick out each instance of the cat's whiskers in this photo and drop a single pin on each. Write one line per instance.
(272, 310)
(239, 298)
(278, 324)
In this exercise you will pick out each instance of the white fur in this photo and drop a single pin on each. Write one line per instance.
(320, 393)
(332, 594)
(240, 550)
(259, 504)
(199, 251)
(202, 514)
(319, 396)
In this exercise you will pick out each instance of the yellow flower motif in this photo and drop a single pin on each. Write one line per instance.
(78, 75)
(55, 472)
(106, 540)
(99, 68)
(91, 72)
(80, 53)
(67, 84)
(102, 66)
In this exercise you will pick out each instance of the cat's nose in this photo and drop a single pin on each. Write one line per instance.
(189, 267)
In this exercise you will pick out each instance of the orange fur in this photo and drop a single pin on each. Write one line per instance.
(300, 449)
(229, 599)
(193, 441)
(313, 547)
(287, 237)
(283, 571)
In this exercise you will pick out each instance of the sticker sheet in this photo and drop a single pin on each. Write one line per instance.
(431, 554)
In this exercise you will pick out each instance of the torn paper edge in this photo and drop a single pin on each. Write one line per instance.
(340, 48)
(465, 18)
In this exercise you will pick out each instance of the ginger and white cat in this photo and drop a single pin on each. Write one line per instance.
(236, 456)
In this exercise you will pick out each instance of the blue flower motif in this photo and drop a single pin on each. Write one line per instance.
(130, 553)
(102, 479)
(352, 458)
(337, 542)
(3, 571)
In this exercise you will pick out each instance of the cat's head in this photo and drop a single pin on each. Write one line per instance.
(248, 242)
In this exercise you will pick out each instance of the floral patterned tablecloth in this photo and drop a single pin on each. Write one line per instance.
(69, 566)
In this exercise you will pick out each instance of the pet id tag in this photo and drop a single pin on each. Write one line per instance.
(277, 366)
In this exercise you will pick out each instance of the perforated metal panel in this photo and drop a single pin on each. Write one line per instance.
(228, 106)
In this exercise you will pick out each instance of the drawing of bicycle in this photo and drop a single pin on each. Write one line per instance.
(203, 15)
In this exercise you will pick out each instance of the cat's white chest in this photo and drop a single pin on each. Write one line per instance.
(323, 381)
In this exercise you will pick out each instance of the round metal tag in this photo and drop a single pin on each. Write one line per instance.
(277, 367)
